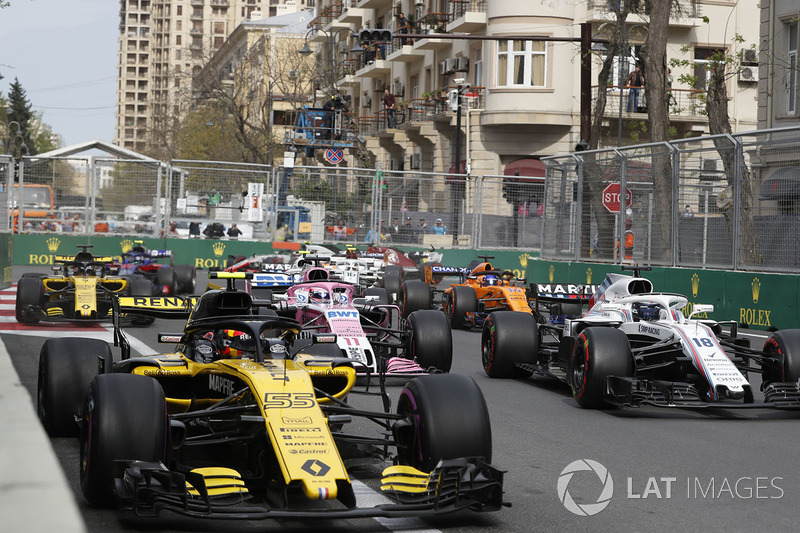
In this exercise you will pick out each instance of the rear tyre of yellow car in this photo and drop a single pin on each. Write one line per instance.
(30, 292)
(66, 367)
(124, 417)
(445, 418)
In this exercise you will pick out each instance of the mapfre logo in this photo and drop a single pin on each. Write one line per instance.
(586, 509)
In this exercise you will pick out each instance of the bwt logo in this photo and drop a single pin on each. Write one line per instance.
(586, 509)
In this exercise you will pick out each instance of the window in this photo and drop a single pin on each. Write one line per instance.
(521, 63)
(179, 25)
(791, 69)
(180, 10)
(477, 70)
(178, 40)
(703, 57)
(219, 27)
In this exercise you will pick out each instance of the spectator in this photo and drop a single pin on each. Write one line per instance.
(687, 212)
(214, 230)
(194, 230)
(373, 236)
(173, 228)
(395, 229)
(635, 82)
(421, 229)
(234, 232)
(340, 231)
(406, 231)
(402, 23)
(439, 228)
(389, 107)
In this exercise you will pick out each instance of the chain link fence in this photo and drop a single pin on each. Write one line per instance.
(727, 201)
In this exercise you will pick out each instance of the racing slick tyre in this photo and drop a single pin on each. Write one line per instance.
(508, 338)
(445, 418)
(598, 353)
(141, 286)
(783, 347)
(166, 278)
(458, 302)
(30, 292)
(414, 295)
(66, 367)
(430, 341)
(185, 279)
(33, 275)
(381, 293)
(392, 279)
(124, 417)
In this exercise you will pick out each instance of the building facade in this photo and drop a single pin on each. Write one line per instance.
(520, 98)
(162, 44)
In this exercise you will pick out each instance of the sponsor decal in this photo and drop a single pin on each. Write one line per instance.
(586, 509)
(756, 286)
(342, 314)
(315, 467)
(220, 384)
(755, 317)
(302, 430)
(588, 276)
(126, 245)
(277, 348)
(695, 284)
(551, 271)
(218, 248)
(649, 330)
(161, 372)
(292, 421)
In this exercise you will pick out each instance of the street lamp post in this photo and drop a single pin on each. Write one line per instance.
(331, 38)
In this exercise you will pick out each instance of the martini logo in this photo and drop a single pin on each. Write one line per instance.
(219, 249)
(586, 509)
(695, 284)
(52, 244)
(126, 245)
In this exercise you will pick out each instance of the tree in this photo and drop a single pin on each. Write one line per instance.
(19, 111)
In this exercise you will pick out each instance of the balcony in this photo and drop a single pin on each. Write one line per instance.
(354, 15)
(685, 105)
(404, 53)
(600, 11)
(467, 16)
(374, 4)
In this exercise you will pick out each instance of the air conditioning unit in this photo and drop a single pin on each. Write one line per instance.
(462, 64)
(415, 161)
(748, 74)
(399, 89)
(293, 74)
(450, 65)
(443, 68)
(750, 56)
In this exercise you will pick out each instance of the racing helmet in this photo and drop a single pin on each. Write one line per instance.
(490, 279)
(645, 311)
(236, 344)
(319, 296)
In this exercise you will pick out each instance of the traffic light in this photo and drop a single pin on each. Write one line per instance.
(581, 146)
(368, 36)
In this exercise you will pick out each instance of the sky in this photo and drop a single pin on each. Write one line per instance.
(64, 54)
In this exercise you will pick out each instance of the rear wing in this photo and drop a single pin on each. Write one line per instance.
(169, 307)
(548, 293)
(441, 271)
(71, 259)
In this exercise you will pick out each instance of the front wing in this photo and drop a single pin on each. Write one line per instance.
(146, 489)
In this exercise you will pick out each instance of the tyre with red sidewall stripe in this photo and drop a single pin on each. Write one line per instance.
(124, 417)
(508, 338)
(599, 352)
(783, 347)
(445, 418)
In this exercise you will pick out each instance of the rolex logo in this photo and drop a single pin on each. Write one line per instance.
(695, 284)
(53, 243)
(219, 249)
(756, 285)
(588, 276)
(523, 260)
(126, 245)
(551, 270)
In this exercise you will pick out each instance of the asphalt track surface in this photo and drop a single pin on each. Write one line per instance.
(671, 469)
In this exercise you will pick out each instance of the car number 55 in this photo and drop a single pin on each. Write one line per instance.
(288, 400)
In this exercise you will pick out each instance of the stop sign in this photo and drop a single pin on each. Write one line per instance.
(611, 197)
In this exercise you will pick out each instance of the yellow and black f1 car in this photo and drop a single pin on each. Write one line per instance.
(235, 423)
(80, 289)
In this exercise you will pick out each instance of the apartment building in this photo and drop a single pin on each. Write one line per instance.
(520, 97)
(162, 45)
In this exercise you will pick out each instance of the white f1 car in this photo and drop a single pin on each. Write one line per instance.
(635, 347)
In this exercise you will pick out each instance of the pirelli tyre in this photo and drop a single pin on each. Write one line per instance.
(185, 279)
(381, 293)
(599, 352)
(509, 338)
(458, 302)
(392, 279)
(430, 341)
(414, 295)
(66, 367)
(445, 417)
(124, 417)
(166, 278)
(30, 292)
(783, 347)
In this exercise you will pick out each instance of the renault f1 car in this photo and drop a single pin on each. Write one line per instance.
(634, 347)
(80, 289)
(368, 329)
(256, 432)
(166, 278)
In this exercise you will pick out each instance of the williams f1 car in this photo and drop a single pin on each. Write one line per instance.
(635, 347)
(256, 431)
